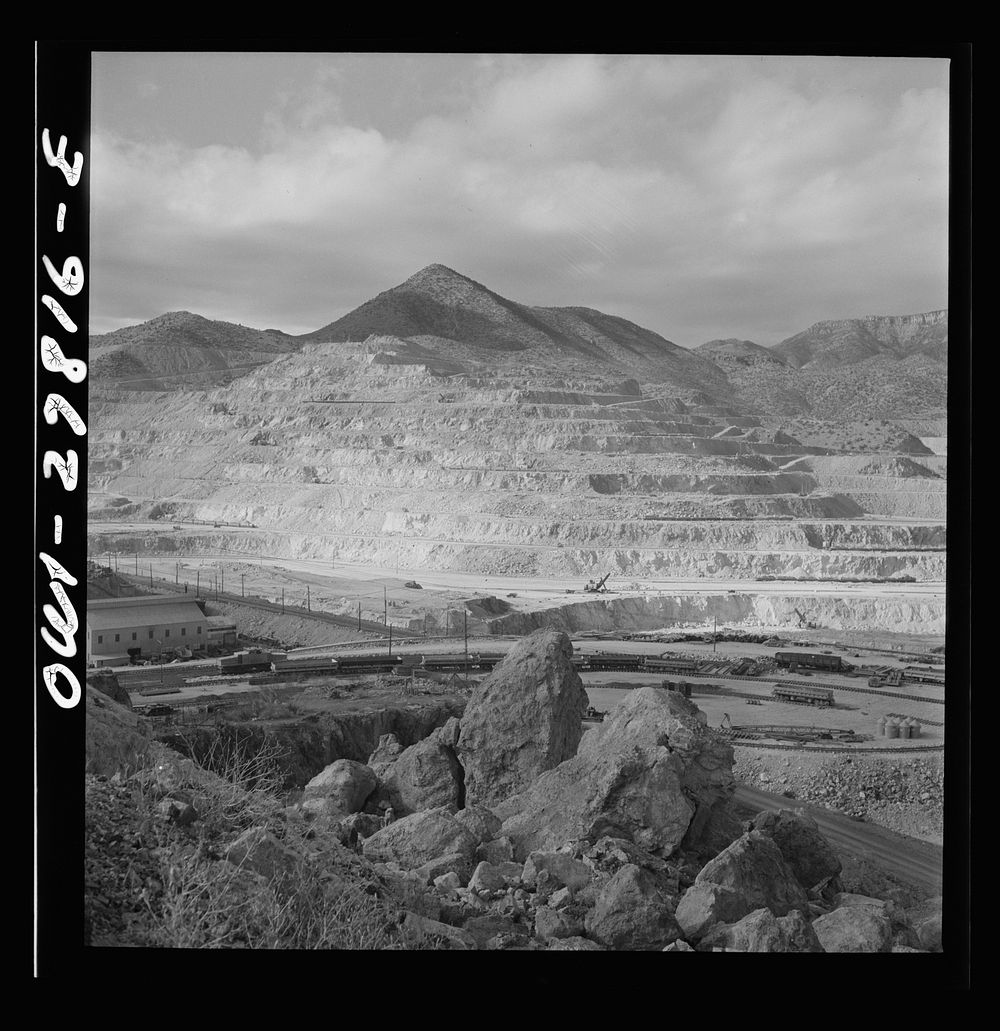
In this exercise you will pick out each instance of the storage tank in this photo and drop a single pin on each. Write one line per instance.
(914, 729)
(904, 728)
(892, 727)
(880, 727)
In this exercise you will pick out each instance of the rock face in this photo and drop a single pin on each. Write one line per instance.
(341, 789)
(421, 838)
(107, 683)
(854, 929)
(524, 719)
(754, 867)
(647, 773)
(762, 931)
(805, 850)
(705, 905)
(632, 914)
(424, 776)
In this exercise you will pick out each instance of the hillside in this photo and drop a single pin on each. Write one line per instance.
(182, 349)
(732, 353)
(440, 304)
(829, 345)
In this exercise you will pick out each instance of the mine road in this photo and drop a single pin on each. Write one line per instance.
(911, 860)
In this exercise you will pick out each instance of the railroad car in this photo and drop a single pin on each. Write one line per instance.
(803, 694)
(811, 660)
(251, 661)
(362, 664)
(668, 664)
(304, 665)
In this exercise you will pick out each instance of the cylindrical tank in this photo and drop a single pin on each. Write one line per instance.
(914, 729)
(892, 727)
(880, 727)
(904, 728)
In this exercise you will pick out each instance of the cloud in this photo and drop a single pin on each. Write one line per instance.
(688, 195)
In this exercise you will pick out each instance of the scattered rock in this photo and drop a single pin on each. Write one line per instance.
(424, 776)
(342, 788)
(762, 931)
(480, 822)
(804, 849)
(458, 863)
(563, 870)
(704, 905)
(523, 719)
(632, 914)
(754, 867)
(258, 850)
(925, 921)
(499, 850)
(420, 838)
(487, 877)
(419, 927)
(854, 929)
(678, 946)
(556, 923)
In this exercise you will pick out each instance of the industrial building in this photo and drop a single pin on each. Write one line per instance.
(119, 628)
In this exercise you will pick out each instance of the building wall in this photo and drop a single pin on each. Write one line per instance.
(150, 638)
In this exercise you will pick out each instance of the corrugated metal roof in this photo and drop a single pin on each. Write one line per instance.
(145, 615)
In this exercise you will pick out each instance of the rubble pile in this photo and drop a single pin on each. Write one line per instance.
(905, 794)
(627, 842)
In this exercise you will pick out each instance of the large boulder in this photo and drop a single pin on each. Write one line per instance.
(258, 850)
(854, 929)
(480, 822)
(560, 870)
(419, 839)
(805, 850)
(632, 914)
(762, 931)
(424, 776)
(703, 906)
(754, 867)
(387, 751)
(644, 776)
(341, 789)
(523, 719)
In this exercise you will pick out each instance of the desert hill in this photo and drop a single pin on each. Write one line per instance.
(849, 341)
(181, 348)
(439, 304)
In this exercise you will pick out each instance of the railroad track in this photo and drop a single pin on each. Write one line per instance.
(823, 750)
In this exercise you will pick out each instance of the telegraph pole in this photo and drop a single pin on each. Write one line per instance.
(223, 579)
(390, 640)
(282, 600)
(197, 587)
(177, 573)
(243, 577)
(715, 632)
(466, 615)
(308, 605)
(137, 563)
(150, 574)
(359, 617)
(385, 606)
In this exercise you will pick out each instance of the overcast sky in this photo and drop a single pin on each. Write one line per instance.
(701, 197)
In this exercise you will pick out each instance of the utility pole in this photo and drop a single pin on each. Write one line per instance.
(223, 579)
(150, 574)
(308, 605)
(385, 606)
(282, 600)
(177, 573)
(197, 587)
(243, 578)
(137, 563)
(715, 632)
(466, 614)
(359, 617)
(390, 640)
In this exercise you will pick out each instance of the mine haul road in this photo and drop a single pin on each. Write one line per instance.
(910, 859)
(545, 587)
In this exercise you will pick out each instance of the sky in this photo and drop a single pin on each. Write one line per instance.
(702, 197)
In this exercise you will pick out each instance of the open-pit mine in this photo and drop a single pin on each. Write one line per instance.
(402, 522)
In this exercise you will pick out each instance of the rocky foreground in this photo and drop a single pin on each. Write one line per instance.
(505, 829)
